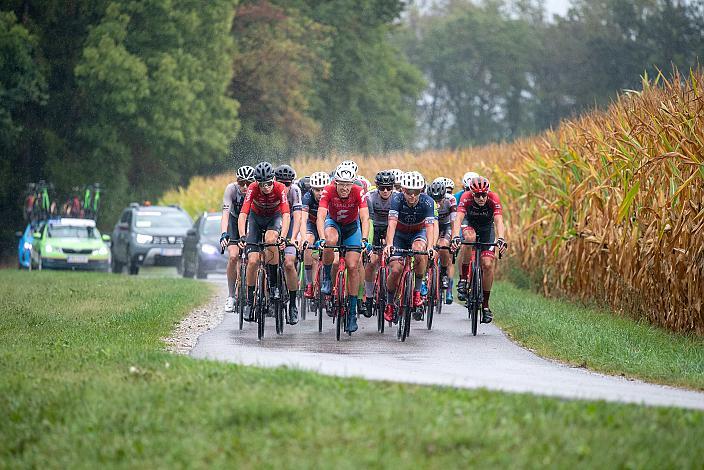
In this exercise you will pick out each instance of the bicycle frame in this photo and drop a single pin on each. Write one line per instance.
(404, 292)
(339, 302)
(475, 295)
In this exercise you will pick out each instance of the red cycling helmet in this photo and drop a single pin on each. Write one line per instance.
(479, 185)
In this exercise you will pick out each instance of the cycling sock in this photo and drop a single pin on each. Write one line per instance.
(450, 281)
(369, 289)
(309, 274)
(465, 271)
(292, 297)
(485, 302)
(419, 281)
(327, 272)
(353, 304)
(250, 294)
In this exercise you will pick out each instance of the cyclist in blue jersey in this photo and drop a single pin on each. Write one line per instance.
(411, 219)
(447, 212)
(311, 200)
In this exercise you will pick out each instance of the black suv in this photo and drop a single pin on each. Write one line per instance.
(201, 249)
(149, 236)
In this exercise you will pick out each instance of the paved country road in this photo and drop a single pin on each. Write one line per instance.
(447, 355)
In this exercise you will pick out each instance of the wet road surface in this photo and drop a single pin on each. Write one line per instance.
(447, 355)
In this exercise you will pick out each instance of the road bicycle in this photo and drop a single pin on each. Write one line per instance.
(91, 201)
(338, 302)
(379, 295)
(433, 299)
(475, 294)
(404, 292)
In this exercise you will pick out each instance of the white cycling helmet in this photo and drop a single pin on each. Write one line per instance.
(397, 175)
(245, 173)
(345, 174)
(350, 164)
(469, 176)
(412, 180)
(319, 179)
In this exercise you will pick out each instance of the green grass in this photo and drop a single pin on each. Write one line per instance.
(598, 339)
(85, 383)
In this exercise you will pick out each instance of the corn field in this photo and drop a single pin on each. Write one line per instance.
(607, 207)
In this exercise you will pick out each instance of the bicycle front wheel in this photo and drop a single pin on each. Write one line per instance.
(260, 299)
(404, 323)
(432, 296)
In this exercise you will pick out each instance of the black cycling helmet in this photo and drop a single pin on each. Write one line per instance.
(436, 190)
(284, 173)
(385, 178)
(304, 184)
(263, 172)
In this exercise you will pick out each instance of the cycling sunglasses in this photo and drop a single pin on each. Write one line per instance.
(244, 182)
(266, 184)
(413, 192)
(385, 188)
(481, 195)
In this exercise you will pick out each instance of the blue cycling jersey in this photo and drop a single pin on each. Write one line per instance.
(310, 204)
(458, 195)
(412, 219)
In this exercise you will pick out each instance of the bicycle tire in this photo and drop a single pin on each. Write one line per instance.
(242, 298)
(340, 300)
(432, 293)
(319, 309)
(405, 320)
(381, 300)
(260, 299)
(476, 294)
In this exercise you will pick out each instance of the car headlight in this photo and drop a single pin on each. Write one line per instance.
(27, 246)
(144, 239)
(49, 248)
(101, 251)
(208, 249)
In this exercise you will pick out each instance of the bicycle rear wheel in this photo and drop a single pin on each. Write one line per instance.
(241, 293)
(476, 296)
(380, 300)
(340, 301)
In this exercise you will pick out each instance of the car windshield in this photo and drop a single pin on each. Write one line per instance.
(69, 231)
(165, 219)
(211, 226)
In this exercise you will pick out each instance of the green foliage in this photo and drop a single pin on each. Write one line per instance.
(86, 383)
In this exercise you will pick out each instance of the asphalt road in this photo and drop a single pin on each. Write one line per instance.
(447, 355)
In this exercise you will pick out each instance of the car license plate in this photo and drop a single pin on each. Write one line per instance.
(171, 252)
(78, 259)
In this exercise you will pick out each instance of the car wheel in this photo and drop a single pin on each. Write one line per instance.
(39, 262)
(200, 274)
(184, 268)
(116, 266)
(132, 267)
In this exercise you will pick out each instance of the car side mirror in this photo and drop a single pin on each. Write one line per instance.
(191, 232)
(18, 234)
(123, 226)
(106, 237)
(37, 235)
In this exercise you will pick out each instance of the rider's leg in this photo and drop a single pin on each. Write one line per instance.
(468, 256)
(308, 265)
(487, 260)
(369, 271)
(272, 257)
(421, 262)
(352, 261)
(233, 264)
(331, 238)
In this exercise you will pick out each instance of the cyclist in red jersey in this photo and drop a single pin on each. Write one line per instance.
(343, 216)
(481, 210)
(265, 212)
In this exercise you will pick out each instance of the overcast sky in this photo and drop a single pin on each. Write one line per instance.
(557, 6)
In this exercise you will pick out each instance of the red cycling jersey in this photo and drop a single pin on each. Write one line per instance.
(477, 215)
(266, 205)
(343, 211)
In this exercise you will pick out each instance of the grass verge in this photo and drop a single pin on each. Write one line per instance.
(85, 382)
(598, 339)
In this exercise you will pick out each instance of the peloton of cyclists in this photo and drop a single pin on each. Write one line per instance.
(264, 204)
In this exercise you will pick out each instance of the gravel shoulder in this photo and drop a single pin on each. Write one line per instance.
(202, 319)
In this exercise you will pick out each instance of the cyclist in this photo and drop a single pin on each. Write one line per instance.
(310, 201)
(449, 185)
(465, 184)
(285, 174)
(264, 212)
(379, 203)
(397, 178)
(482, 212)
(447, 212)
(342, 210)
(411, 219)
(232, 201)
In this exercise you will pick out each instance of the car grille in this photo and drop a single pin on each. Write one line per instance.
(71, 251)
(163, 240)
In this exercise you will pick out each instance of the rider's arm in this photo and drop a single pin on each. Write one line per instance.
(499, 226)
(285, 223)
(244, 212)
(225, 219)
(364, 218)
(391, 230)
(461, 211)
(320, 222)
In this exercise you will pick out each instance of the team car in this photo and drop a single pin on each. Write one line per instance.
(201, 249)
(68, 243)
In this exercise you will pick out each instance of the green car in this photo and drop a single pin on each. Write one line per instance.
(74, 244)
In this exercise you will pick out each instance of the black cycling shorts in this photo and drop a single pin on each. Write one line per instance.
(379, 235)
(257, 225)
